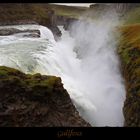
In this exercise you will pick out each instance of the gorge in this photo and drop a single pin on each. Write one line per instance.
(68, 70)
(86, 62)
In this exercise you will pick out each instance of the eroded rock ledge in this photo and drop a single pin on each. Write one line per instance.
(35, 101)
(12, 31)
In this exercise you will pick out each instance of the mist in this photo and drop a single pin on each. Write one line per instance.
(91, 72)
(86, 60)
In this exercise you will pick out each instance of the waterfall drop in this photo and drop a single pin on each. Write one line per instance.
(87, 63)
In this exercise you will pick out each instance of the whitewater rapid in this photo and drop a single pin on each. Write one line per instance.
(87, 63)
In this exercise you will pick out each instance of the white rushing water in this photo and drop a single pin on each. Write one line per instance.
(86, 62)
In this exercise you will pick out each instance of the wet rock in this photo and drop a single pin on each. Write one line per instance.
(35, 101)
(5, 32)
(17, 22)
(32, 35)
(11, 31)
(56, 32)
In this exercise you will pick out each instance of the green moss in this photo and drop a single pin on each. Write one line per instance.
(50, 81)
(36, 83)
(129, 46)
(3, 73)
(41, 87)
(125, 56)
(133, 16)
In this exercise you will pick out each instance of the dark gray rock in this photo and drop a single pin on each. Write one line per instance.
(18, 22)
(35, 101)
(11, 31)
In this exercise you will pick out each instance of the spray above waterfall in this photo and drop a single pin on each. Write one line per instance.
(96, 46)
(86, 61)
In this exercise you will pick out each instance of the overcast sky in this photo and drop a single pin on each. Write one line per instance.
(75, 4)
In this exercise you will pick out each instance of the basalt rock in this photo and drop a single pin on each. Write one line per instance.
(35, 101)
(32, 35)
(11, 31)
(17, 22)
(56, 32)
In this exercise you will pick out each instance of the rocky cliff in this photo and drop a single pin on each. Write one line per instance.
(12, 31)
(129, 51)
(35, 101)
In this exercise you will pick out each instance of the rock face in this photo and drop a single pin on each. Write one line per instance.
(11, 31)
(35, 101)
(56, 32)
(129, 51)
(17, 22)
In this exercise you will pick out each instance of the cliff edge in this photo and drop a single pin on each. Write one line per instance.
(35, 101)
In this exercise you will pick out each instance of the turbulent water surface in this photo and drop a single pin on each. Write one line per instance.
(86, 62)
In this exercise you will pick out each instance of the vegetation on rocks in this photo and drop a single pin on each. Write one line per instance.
(35, 101)
(15, 12)
(12, 14)
(68, 11)
(129, 51)
(39, 100)
(133, 16)
(41, 13)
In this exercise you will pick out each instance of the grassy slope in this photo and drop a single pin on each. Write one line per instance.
(129, 51)
(68, 11)
(37, 12)
(133, 16)
(14, 12)
(19, 11)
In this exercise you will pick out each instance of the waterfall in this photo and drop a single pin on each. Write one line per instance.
(87, 63)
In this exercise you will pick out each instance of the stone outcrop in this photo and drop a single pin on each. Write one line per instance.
(35, 101)
(56, 32)
(11, 31)
(18, 22)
